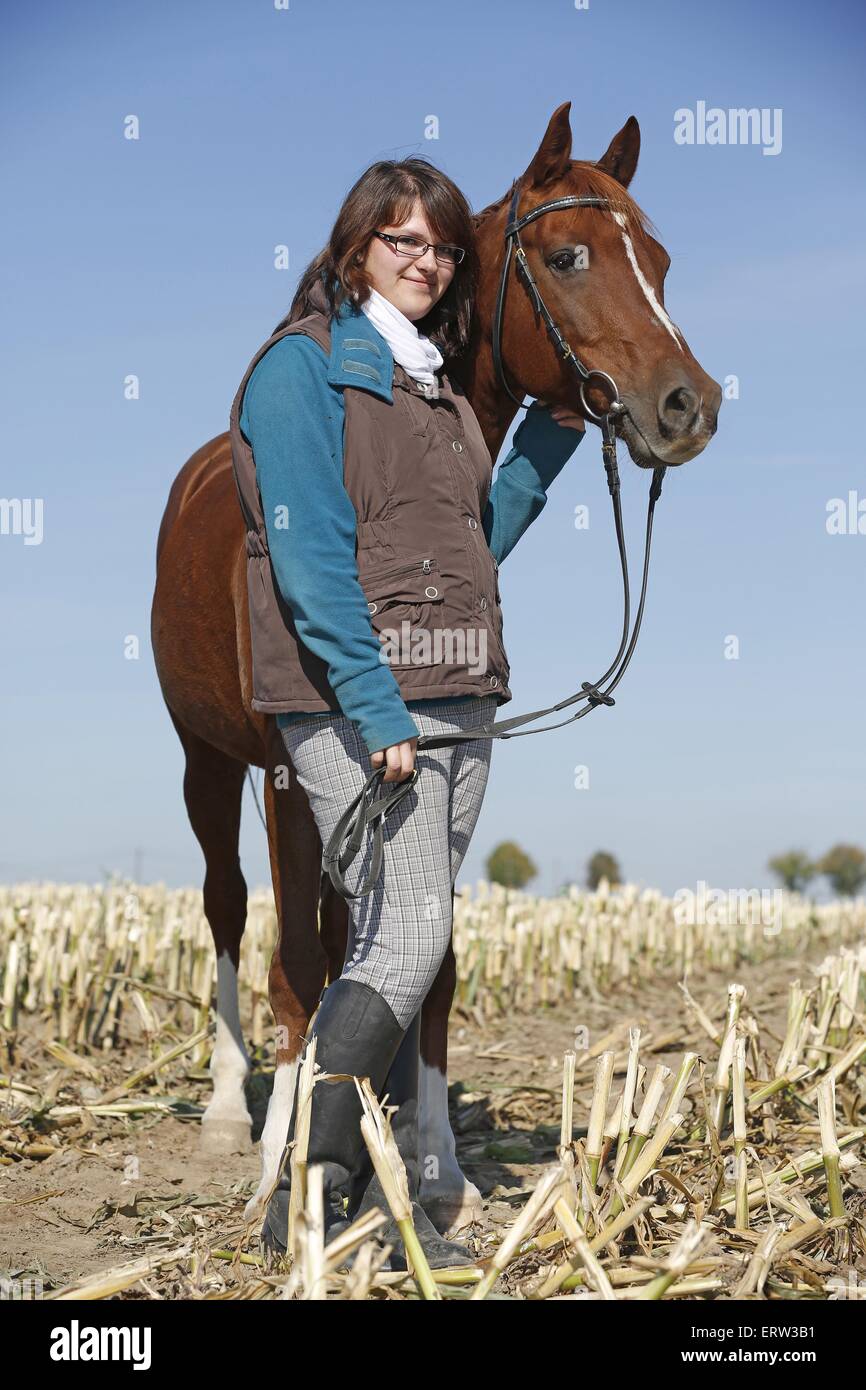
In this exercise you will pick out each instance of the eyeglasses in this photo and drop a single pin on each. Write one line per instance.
(412, 246)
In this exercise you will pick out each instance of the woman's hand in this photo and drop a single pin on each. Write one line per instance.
(563, 416)
(399, 759)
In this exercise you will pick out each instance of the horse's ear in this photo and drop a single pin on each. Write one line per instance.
(553, 156)
(620, 159)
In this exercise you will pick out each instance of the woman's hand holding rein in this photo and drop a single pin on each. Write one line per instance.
(399, 759)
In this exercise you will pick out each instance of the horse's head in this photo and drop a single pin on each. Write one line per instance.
(600, 272)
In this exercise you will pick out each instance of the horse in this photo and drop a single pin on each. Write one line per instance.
(611, 306)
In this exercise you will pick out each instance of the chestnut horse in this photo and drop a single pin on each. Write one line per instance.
(613, 315)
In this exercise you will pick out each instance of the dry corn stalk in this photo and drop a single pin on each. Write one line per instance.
(687, 1249)
(736, 994)
(595, 1275)
(307, 1080)
(600, 1094)
(391, 1172)
(740, 1133)
(540, 1204)
(830, 1145)
(628, 1093)
(644, 1122)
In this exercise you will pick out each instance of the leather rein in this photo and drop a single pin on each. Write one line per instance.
(369, 809)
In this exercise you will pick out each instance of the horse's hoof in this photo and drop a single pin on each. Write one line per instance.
(255, 1208)
(452, 1212)
(225, 1136)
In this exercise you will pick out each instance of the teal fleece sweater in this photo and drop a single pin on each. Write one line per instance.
(294, 418)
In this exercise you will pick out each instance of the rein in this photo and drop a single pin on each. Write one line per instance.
(368, 811)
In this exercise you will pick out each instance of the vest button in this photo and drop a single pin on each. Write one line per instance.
(457, 446)
(493, 680)
(431, 592)
(373, 607)
(483, 604)
(473, 524)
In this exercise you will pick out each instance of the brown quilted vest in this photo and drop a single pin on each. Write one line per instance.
(418, 473)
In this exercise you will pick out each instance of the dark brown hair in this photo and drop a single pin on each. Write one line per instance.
(383, 196)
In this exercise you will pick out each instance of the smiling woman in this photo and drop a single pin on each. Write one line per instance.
(389, 201)
(349, 424)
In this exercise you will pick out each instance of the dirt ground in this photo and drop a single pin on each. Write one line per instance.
(111, 1190)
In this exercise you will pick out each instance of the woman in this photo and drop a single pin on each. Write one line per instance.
(375, 535)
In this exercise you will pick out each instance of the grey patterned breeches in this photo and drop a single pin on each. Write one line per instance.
(399, 933)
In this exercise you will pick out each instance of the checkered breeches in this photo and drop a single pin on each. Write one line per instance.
(399, 932)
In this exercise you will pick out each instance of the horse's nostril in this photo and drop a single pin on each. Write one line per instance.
(678, 410)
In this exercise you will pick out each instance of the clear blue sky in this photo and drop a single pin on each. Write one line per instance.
(155, 257)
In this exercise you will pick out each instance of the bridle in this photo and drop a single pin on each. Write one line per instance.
(513, 242)
(372, 805)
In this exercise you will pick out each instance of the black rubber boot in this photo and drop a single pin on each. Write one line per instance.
(441, 1253)
(400, 1084)
(401, 1090)
(356, 1032)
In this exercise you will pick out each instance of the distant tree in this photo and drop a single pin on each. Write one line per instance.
(795, 869)
(510, 866)
(603, 865)
(845, 867)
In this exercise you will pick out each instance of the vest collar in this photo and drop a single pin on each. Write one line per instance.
(360, 356)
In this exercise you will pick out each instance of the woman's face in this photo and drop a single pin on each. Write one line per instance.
(413, 285)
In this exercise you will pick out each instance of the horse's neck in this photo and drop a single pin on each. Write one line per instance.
(492, 405)
(493, 409)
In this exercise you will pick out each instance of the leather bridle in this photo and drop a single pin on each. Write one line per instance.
(372, 805)
(513, 242)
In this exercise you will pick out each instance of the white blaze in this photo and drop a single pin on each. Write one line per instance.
(649, 292)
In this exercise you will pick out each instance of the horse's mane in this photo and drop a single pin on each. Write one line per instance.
(585, 179)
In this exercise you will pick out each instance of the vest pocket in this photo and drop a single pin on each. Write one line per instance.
(402, 600)
(409, 577)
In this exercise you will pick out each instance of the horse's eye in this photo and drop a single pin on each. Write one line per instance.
(562, 261)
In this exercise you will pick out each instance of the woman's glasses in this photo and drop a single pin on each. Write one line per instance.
(412, 246)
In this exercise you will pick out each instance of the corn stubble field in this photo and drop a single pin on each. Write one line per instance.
(651, 1109)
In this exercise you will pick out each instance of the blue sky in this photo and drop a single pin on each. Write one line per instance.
(155, 257)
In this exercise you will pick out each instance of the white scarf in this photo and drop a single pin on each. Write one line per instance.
(415, 353)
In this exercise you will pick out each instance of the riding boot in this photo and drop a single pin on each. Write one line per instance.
(400, 1084)
(401, 1090)
(356, 1033)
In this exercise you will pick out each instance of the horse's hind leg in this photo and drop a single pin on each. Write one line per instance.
(299, 962)
(213, 787)
(333, 926)
(450, 1200)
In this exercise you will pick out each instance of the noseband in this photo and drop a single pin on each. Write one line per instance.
(372, 804)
